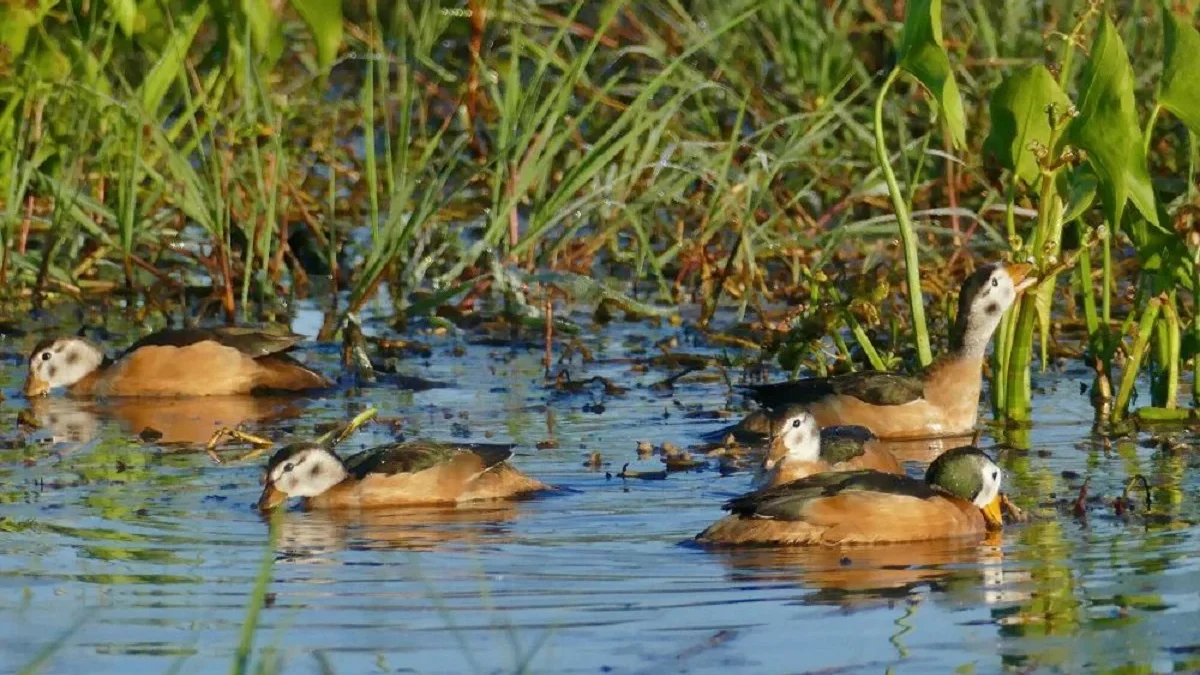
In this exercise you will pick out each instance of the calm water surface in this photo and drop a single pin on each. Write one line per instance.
(140, 556)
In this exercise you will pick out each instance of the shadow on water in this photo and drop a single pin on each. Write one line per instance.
(112, 513)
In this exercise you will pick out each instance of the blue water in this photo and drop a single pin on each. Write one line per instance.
(140, 556)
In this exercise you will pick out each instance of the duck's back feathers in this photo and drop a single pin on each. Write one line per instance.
(427, 473)
(418, 456)
(873, 387)
(789, 501)
(249, 341)
(844, 442)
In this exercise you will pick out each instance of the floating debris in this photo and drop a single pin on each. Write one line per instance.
(641, 475)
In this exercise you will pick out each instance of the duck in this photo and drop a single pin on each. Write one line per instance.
(799, 448)
(413, 473)
(219, 361)
(959, 497)
(940, 400)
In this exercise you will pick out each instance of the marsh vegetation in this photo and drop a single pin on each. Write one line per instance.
(663, 197)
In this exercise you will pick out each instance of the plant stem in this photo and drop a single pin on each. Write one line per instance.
(908, 237)
(1173, 349)
(1149, 133)
(1106, 289)
(1090, 318)
(1129, 376)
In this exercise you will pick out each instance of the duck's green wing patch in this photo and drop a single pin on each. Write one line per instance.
(418, 456)
(879, 388)
(787, 501)
(249, 341)
(871, 387)
(845, 442)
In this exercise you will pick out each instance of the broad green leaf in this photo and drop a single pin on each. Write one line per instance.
(16, 21)
(922, 54)
(1080, 186)
(1107, 128)
(1181, 70)
(170, 63)
(1018, 110)
(324, 19)
(260, 19)
(125, 13)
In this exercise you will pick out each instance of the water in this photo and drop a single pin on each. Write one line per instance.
(140, 556)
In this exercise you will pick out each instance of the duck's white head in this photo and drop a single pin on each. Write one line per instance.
(984, 298)
(795, 437)
(61, 362)
(301, 470)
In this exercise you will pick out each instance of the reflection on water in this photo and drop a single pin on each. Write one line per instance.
(316, 533)
(155, 551)
(856, 574)
(166, 421)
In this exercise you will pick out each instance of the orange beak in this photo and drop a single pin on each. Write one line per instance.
(36, 386)
(271, 497)
(1019, 273)
(992, 515)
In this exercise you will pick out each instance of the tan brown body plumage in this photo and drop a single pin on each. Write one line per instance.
(863, 518)
(949, 406)
(458, 482)
(193, 362)
(959, 497)
(875, 459)
(417, 473)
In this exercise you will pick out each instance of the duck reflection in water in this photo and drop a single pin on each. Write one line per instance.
(306, 536)
(854, 577)
(166, 421)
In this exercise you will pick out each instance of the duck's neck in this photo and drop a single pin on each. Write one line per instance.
(953, 384)
(86, 386)
(971, 335)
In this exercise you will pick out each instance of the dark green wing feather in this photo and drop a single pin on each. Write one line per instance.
(870, 386)
(786, 502)
(844, 442)
(417, 456)
(252, 342)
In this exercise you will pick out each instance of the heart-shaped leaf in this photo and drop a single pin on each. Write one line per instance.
(1018, 110)
(1107, 127)
(1080, 187)
(922, 55)
(1181, 70)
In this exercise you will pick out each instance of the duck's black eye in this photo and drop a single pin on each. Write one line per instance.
(45, 356)
(995, 474)
(288, 467)
(796, 423)
(995, 281)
